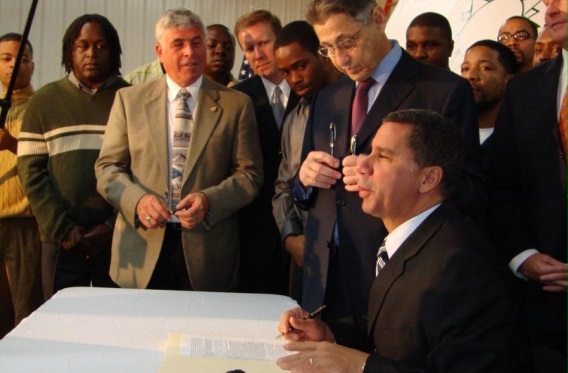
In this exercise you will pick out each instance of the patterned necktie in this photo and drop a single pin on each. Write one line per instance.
(562, 124)
(360, 104)
(382, 257)
(182, 126)
(277, 105)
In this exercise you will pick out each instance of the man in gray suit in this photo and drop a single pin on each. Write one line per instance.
(177, 203)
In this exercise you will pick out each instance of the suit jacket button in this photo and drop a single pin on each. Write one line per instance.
(340, 202)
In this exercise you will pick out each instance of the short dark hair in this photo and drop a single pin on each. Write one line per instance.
(224, 28)
(12, 36)
(532, 25)
(73, 32)
(505, 56)
(435, 142)
(320, 10)
(431, 19)
(300, 32)
(258, 16)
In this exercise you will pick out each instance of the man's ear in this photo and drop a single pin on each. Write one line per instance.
(451, 47)
(431, 178)
(378, 17)
(158, 48)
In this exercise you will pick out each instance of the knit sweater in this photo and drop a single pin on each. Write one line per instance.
(59, 143)
(13, 202)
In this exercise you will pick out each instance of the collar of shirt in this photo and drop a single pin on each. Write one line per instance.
(383, 71)
(302, 105)
(174, 88)
(269, 88)
(107, 83)
(403, 231)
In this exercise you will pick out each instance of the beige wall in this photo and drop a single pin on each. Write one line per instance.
(134, 20)
(471, 20)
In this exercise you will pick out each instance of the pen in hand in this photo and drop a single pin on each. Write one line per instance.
(332, 138)
(353, 145)
(310, 315)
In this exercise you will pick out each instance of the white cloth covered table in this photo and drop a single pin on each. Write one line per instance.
(126, 330)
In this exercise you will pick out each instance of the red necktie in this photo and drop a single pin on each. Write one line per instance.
(562, 124)
(360, 105)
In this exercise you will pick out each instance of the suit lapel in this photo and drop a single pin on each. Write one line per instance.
(292, 103)
(344, 97)
(206, 118)
(547, 90)
(547, 93)
(395, 266)
(393, 93)
(156, 122)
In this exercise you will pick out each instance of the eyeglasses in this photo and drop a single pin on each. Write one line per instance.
(520, 35)
(346, 44)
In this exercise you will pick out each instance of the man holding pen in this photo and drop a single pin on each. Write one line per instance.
(439, 302)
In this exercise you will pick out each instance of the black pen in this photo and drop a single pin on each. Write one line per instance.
(332, 137)
(311, 315)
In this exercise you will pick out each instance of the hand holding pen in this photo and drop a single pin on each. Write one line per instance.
(332, 138)
(297, 325)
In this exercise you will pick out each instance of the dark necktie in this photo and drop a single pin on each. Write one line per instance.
(562, 124)
(360, 104)
(182, 126)
(277, 106)
(382, 257)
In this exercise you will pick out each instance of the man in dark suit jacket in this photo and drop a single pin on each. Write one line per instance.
(527, 171)
(264, 264)
(340, 239)
(441, 303)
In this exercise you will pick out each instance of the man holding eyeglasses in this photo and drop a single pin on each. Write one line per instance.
(519, 35)
(341, 240)
(527, 204)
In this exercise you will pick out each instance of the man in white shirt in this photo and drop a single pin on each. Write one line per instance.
(265, 265)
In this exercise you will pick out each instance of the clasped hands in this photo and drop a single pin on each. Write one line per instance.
(319, 170)
(315, 346)
(191, 211)
(91, 241)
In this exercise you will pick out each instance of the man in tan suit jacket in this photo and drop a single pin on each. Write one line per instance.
(194, 244)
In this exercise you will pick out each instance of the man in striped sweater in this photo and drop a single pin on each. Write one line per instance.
(59, 143)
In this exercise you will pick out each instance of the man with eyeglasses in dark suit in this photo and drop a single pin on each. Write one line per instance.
(341, 240)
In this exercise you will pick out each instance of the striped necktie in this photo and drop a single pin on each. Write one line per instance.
(382, 257)
(182, 126)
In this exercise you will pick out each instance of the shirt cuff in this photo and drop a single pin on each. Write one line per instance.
(519, 259)
(299, 193)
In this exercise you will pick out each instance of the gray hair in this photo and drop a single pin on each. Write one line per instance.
(320, 10)
(180, 18)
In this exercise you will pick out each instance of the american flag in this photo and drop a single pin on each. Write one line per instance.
(246, 71)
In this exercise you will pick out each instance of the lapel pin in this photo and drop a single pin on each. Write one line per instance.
(213, 108)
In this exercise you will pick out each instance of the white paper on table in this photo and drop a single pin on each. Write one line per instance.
(232, 347)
